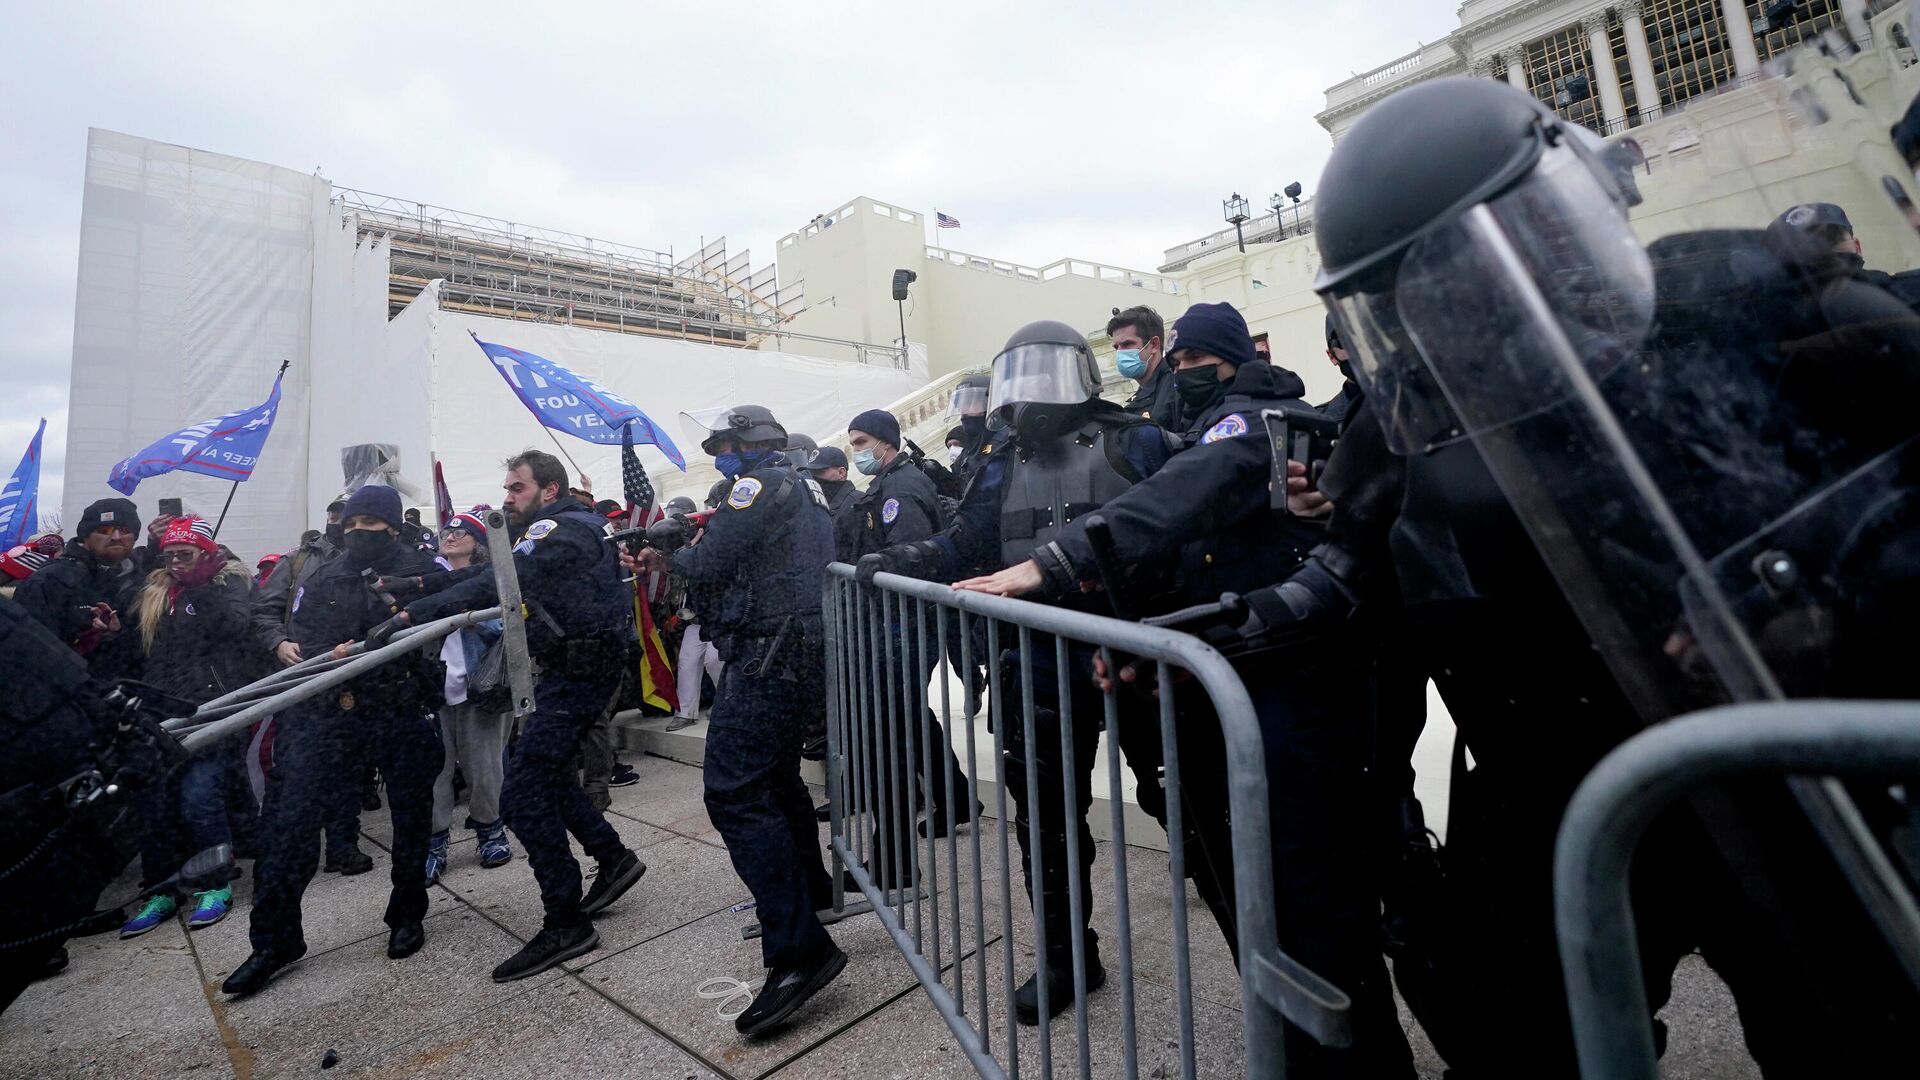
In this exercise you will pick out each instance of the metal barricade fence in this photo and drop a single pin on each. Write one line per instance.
(885, 642)
(235, 711)
(1614, 805)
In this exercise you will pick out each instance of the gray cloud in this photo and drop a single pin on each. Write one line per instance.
(1105, 131)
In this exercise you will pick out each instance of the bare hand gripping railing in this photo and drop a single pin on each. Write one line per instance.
(239, 709)
(1645, 775)
(884, 641)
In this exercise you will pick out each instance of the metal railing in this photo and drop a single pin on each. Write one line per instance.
(1620, 798)
(885, 640)
(236, 711)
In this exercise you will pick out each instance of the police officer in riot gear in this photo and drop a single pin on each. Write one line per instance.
(1068, 452)
(968, 411)
(1211, 508)
(580, 621)
(1597, 441)
(755, 578)
(314, 743)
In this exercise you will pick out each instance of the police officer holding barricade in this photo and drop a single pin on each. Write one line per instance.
(580, 618)
(315, 742)
(1211, 508)
(755, 579)
(1069, 453)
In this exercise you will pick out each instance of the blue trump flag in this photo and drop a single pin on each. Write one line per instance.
(226, 446)
(20, 497)
(580, 407)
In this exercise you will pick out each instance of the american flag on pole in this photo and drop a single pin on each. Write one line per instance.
(656, 671)
(945, 221)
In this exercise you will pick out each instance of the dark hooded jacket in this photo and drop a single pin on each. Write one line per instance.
(61, 594)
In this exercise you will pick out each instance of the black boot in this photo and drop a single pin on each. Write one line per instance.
(548, 947)
(1026, 1000)
(405, 940)
(260, 967)
(612, 882)
(348, 862)
(786, 990)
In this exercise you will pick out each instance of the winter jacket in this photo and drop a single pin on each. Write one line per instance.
(273, 599)
(61, 595)
(186, 636)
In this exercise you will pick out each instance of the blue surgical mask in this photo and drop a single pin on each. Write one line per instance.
(868, 462)
(732, 466)
(1132, 364)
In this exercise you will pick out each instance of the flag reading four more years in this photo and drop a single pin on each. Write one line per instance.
(20, 496)
(226, 446)
(580, 407)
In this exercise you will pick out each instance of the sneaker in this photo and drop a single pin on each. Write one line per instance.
(348, 862)
(156, 910)
(210, 907)
(622, 775)
(681, 722)
(786, 990)
(493, 845)
(436, 856)
(259, 968)
(549, 947)
(612, 882)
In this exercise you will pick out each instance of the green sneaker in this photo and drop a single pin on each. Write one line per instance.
(155, 911)
(210, 907)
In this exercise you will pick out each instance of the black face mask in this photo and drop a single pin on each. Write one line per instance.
(368, 545)
(1200, 388)
(1853, 261)
(974, 424)
(336, 532)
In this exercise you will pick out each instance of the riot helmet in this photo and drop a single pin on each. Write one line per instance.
(1514, 245)
(969, 397)
(742, 423)
(1041, 378)
(800, 447)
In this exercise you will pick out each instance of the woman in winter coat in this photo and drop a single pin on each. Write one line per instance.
(190, 619)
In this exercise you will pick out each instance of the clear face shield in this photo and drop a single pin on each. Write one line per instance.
(967, 401)
(1039, 374)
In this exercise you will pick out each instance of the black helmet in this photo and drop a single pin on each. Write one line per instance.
(1043, 376)
(1509, 200)
(744, 423)
(800, 448)
(680, 504)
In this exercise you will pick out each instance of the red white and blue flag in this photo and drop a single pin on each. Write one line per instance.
(578, 406)
(20, 496)
(945, 221)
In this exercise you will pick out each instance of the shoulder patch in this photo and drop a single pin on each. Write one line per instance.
(890, 510)
(743, 493)
(540, 528)
(819, 495)
(1233, 425)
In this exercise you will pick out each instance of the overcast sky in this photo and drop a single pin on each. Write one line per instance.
(1107, 131)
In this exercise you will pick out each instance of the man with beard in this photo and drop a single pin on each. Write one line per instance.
(79, 596)
(581, 622)
(315, 747)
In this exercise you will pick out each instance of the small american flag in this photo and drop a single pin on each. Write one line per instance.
(945, 221)
(633, 480)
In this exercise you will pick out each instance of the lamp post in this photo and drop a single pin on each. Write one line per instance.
(1292, 191)
(1234, 208)
(1279, 206)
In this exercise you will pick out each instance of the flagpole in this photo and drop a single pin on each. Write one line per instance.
(235, 489)
(577, 471)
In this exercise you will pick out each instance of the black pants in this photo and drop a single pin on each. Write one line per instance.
(758, 802)
(1313, 710)
(313, 751)
(1139, 737)
(909, 754)
(542, 800)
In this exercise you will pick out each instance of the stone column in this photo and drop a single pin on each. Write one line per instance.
(1613, 106)
(1516, 58)
(1746, 58)
(1854, 14)
(1646, 94)
(1482, 67)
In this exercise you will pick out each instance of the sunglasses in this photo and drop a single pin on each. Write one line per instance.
(178, 558)
(113, 530)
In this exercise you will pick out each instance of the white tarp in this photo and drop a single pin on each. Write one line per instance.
(195, 282)
(475, 421)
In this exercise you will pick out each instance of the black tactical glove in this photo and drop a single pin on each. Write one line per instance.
(403, 586)
(1316, 600)
(917, 560)
(383, 633)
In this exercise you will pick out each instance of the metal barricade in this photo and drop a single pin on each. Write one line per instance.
(1613, 806)
(239, 709)
(885, 641)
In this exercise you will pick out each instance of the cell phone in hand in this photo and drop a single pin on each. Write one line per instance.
(171, 508)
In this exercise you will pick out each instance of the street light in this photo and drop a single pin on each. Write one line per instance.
(902, 279)
(1234, 208)
(1292, 191)
(1279, 204)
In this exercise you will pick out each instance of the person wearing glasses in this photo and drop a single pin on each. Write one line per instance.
(80, 595)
